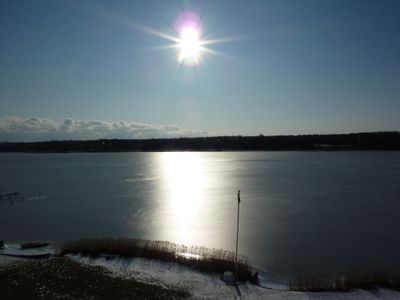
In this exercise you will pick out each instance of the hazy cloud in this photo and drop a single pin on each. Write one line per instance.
(14, 129)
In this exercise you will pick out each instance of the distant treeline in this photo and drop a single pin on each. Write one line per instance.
(352, 141)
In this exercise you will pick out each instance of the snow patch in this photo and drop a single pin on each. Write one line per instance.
(210, 286)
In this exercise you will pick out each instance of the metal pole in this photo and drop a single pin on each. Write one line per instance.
(237, 237)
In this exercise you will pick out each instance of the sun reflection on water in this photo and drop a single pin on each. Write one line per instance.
(184, 175)
(183, 187)
(191, 206)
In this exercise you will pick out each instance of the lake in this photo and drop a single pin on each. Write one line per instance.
(301, 212)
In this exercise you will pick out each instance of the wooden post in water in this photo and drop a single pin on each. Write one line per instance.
(237, 238)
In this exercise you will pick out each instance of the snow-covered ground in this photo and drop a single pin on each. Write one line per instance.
(206, 286)
(5, 260)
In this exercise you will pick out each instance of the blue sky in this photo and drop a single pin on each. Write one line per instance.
(289, 67)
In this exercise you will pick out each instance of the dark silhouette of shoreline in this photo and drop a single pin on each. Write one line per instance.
(327, 142)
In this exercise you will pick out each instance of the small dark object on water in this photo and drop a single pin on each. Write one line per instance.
(1, 244)
(33, 245)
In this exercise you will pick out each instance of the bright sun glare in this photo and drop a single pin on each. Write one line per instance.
(188, 39)
(189, 46)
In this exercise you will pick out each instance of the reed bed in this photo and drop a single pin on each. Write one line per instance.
(347, 281)
(198, 258)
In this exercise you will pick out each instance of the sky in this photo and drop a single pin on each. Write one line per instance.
(83, 69)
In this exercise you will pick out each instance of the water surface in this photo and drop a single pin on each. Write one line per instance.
(301, 212)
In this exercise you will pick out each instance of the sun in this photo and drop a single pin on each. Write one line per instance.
(189, 46)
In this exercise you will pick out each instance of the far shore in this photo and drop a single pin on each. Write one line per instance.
(363, 141)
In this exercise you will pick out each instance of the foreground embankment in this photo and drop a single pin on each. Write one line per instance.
(84, 277)
(139, 269)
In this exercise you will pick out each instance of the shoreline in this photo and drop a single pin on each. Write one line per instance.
(121, 255)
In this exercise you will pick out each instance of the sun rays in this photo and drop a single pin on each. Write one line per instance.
(187, 38)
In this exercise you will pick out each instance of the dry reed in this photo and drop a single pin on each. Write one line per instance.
(199, 258)
(347, 281)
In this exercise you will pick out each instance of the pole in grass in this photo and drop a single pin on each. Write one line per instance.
(237, 237)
